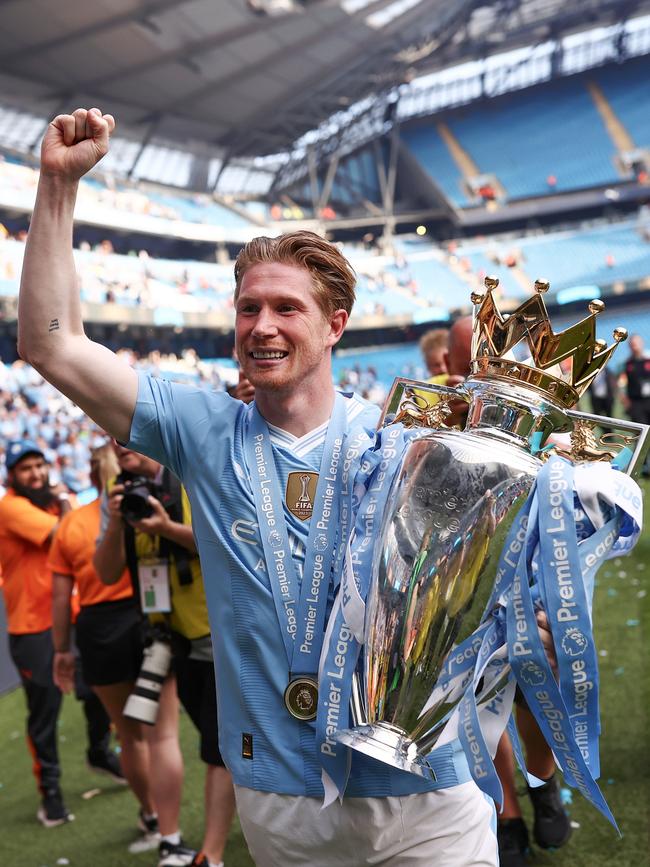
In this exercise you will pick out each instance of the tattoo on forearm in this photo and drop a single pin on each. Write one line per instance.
(54, 325)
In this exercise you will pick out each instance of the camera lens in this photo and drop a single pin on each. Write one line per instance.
(135, 503)
(142, 704)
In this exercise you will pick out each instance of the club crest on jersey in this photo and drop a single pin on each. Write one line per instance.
(301, 490)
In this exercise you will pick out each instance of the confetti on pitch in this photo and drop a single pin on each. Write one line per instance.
(641, 594)
(602, 653)
(611, 592)
(62, 861)
(91, 793)
(622, 574)
(632, 622)
(575, 824)
(640, 566)
(618, 671)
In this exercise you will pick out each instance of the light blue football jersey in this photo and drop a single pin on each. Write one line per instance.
(200, 436)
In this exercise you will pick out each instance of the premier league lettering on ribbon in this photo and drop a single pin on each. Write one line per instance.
(355, 447)
(303, 630)
(274, 539)
(568, 606)
(551, 521)
(392, 443)
(320, 572)
(334, 688)
(341, 647)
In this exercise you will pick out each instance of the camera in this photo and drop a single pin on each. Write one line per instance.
(135, 503)
(143, 703)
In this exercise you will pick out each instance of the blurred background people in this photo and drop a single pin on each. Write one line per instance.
(433, 346)
(30, 512)
(109, 638)
(602, 392)
(636, 397)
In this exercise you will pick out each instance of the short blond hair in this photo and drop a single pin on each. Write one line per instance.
(333, 276)
(436, 338)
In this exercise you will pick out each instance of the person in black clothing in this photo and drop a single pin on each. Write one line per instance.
(637, 371)
(636, 398)
(602, 393)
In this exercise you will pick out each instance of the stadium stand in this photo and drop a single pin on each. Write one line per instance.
(540, 141)
(625, 87)
(415, 278)
(18, 185)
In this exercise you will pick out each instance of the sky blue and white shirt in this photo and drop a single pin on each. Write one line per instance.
(200, 436)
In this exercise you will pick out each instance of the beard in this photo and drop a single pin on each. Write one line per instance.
(40, 497)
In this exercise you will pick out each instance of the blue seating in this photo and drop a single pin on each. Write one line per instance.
(599, 256)
(527, 136)
(433, 155)
(626, 88)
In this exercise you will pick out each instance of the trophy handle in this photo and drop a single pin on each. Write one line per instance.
(623, 443)
(419, 404)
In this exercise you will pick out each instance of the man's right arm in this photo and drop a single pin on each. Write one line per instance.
(50, 328)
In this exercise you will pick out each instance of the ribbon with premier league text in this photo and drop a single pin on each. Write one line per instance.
(344, 634)
(573, 519)
(300, 604)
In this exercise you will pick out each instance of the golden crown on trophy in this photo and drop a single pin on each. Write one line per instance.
(522, 346)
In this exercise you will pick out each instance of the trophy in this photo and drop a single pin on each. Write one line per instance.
(452, 503)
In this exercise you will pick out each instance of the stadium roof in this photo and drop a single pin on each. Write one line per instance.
(249, 77)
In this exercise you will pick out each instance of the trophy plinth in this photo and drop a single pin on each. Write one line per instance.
(387, 743)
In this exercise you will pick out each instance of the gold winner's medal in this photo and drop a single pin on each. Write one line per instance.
(301, 698)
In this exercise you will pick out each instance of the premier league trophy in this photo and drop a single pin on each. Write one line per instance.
(451, 506)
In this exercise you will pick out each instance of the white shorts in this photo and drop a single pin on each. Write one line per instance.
(454, 827)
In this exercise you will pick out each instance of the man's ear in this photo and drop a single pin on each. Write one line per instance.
(338, 321)
(446, 359)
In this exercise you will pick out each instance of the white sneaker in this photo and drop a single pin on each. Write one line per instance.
(149, 840)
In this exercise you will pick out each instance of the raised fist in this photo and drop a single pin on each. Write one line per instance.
(76, 142)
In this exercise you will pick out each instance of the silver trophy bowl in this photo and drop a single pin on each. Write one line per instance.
(451, 505)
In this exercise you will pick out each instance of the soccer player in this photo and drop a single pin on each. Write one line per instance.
(293, 298)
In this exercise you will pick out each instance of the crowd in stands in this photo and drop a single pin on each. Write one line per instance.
(31, 408)
(410, 276)
(16, 178)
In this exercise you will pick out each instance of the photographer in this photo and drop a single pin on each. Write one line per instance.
(146, 525)
(108, 635)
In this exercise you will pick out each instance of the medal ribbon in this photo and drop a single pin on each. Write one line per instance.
(300, 605)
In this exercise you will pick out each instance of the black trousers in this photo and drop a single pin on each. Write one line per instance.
(33, 656)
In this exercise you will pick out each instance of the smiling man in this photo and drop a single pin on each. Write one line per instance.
(266, 486)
